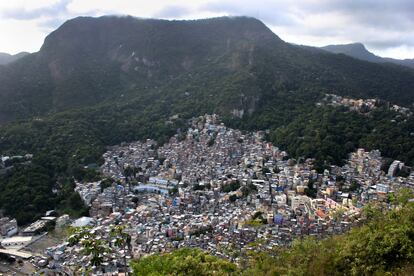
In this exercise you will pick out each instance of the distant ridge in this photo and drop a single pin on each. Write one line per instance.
(7, 58)
(358, 50)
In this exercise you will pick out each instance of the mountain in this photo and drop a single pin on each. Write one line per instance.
(358, 50)
(7, 58)
(87, 61)
(101, 81)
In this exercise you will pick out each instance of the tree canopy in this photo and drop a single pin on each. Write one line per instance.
(191, 262)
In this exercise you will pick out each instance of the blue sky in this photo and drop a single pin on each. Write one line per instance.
(386, 27)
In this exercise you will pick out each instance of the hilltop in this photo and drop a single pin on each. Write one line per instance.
(358, 50)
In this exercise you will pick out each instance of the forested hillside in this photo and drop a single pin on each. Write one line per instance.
(87, 61)
(101, 81)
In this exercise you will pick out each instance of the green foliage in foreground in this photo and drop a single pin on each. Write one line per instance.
(384, 246)
(183, 262)
(95, 248)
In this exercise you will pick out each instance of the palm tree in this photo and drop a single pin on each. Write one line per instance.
(77, 233)
(91, 245)
(121, 240)
(95, 247)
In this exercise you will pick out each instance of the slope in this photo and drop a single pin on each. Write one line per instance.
(101, 81)
(7, 58)
(358, 50)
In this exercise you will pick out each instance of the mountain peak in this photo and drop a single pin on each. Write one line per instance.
(357, 46)
(344, 48)
(117, 19)
(85, 31)
(358, 50)
(118, 36)
(250, 23)
(88, 60)
(355, 50)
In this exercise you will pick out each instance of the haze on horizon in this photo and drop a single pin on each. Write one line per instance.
(383, 26)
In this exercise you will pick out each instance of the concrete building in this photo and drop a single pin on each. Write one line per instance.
(8, 227)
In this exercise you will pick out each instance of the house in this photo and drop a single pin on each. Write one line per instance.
(382, 188)
(14, 242)
(8, 227)
(83, 221)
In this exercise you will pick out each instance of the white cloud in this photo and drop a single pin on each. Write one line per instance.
(400, 52)
(131, 7)
(25, 4)
(18, 35)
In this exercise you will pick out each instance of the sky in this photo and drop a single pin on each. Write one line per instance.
(385, 27)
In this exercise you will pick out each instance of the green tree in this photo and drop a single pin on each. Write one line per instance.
(185, 262)
(95, 247)
(122, 240)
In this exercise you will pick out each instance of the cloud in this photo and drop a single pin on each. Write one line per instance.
(53, 9)
(369, 12)
(379, 24)
(384, 26)
(172, 12)
(400, 52)
(18, 35)
(24, 4)
(49, 24)
(141, 8)
(274, 12)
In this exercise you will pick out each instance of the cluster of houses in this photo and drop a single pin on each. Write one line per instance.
(364, 106)
(72, 260)
(360, 105)
(220, 189)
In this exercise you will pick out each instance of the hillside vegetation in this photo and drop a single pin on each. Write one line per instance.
(101, 81)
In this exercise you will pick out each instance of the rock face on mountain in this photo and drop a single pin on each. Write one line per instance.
(358, 50)
(238, 62)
